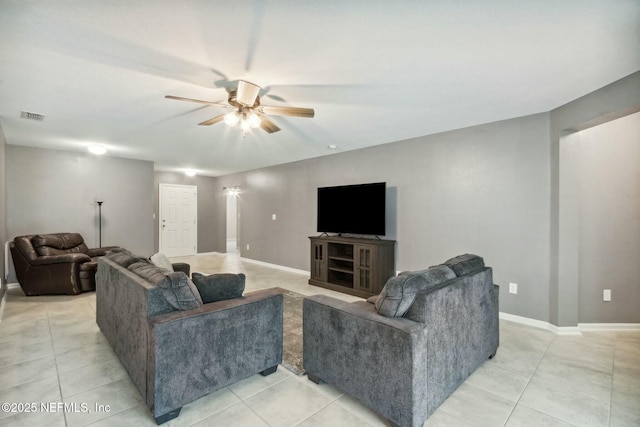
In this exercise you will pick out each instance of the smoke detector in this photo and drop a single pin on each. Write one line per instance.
(31, 116)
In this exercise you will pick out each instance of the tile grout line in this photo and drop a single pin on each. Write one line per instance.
(55, 360)
(546, 350)
(613, 372)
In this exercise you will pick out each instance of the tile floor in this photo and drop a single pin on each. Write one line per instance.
(52, 352)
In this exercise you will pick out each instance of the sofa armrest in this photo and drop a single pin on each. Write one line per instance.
(379, 360)
(77, 258)
(94, 252)
(195, 352)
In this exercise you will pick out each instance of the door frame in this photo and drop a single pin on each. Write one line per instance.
(195, 212)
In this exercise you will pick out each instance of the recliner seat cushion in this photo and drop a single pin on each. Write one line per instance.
(465, 264)
(400, 291)
(59, 244)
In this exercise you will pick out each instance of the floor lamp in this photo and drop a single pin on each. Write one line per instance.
(100, 202)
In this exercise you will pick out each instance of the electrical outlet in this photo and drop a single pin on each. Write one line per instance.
(273, 217)
(248, 246)
(606, 295)
(513, 288)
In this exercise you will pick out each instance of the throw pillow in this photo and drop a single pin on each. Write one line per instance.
(400, 291)
(162, 261)
(218, 287)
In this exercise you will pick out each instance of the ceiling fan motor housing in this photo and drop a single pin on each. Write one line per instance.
(247, 93)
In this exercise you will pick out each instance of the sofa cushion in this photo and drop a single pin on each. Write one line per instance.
(218, 287)
(465, 264)
(124, 258)
(177, 289)
(161, 260)
(59, 244)
(149, 272)
(180, 292)
(400, 291)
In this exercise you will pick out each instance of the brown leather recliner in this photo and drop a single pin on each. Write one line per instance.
(59, 263)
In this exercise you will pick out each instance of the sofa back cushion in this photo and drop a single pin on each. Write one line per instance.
(465, 264)
(124, 258)
(59, 244)
(25, 247)
(176, 288)
(399, 292)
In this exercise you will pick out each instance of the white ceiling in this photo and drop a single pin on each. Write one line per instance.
(374, 71)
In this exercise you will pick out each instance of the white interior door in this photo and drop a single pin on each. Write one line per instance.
(232, 222)
(178, 219)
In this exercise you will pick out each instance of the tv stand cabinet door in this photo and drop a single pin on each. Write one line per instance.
(319, 267)
(365, 274)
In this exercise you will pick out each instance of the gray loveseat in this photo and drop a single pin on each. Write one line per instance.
(175, 347)
(402, 357)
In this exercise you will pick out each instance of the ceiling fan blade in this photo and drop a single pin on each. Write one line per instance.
(288, 111)
(199, 101)
(268, 125)
(247, 93)
(212, 121)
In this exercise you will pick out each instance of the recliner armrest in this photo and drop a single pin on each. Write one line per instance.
(78, 258)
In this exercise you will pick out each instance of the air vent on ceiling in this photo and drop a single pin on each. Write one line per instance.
(31, 116)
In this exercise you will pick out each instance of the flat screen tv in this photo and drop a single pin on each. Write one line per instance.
(352, 209)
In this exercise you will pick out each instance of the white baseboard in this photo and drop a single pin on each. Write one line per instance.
(570, 330)
(4, 298)
(540, 324)
(279, 267)
(2, 304)
(558, 330)
(609, 326)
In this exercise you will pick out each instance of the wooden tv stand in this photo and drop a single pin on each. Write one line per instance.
(355, 266)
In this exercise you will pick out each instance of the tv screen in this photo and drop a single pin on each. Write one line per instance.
(352, 209)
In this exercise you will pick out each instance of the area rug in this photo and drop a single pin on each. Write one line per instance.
(292, 332)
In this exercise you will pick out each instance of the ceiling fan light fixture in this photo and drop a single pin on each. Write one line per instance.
(232, 118)
(245, 126)
(253, 119)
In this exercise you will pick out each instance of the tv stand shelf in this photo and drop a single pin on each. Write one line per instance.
(352, 265)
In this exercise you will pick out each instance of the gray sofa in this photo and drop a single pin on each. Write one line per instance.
(175, 347)
(402, 357)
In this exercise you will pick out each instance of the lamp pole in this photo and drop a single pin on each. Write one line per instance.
(100, 202)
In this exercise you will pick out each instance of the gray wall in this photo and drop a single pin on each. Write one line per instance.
(613, 101)
(207, 187)
(55, 191)
(481, 190)
(500, 190)
(609, 226)
(3, 209)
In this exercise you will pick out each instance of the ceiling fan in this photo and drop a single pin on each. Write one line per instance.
(247, 111)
